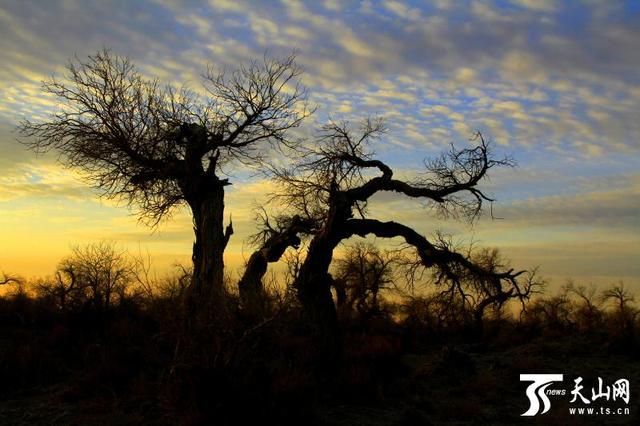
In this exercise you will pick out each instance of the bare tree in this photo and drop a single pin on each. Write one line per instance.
(64, 288)
(623, 301)
(173, 286)
(479, 281)
(553, 312)
(293, 261)
(588, 312)
(95, 275)
(147, 283)
(435, 312)
(157, 147)
(9, 279)
(332, 184)
(491, 288)
(359, 277)
(272, 242)
(620, 296)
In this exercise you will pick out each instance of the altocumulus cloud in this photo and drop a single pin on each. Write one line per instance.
(553, 83)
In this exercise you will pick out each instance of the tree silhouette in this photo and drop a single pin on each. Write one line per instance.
(620, 296)
(9, 279)
(334, 180)
(360, 274)
(623, 301)
(588, 311)
(487, 285)
(272, 242)
(157, 147)
(94, 276)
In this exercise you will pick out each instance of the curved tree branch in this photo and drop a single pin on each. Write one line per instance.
(9, 279)
(453, 267)
(273, 247)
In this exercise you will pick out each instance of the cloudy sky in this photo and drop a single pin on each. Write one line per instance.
(554, 84)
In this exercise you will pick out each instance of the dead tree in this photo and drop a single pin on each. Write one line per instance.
(488, 286)
(359, 277)
(588, 311)
(64, 290)
(623, 300)
(157, 147)
(621, 297)
(94, 276)
(9, 279)
(336, 177)
(272, 243)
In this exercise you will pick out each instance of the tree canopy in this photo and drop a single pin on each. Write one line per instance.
(156, 146)
(141, 140)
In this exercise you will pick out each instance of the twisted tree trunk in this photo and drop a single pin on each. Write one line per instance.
(252, 293)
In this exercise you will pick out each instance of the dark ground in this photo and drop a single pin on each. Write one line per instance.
(386, 380)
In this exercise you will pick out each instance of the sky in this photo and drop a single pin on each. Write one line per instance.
(553, 84)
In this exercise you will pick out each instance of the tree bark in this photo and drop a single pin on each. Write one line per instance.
(250, 286)
(313, 283)
(206, 295)
(314, 287)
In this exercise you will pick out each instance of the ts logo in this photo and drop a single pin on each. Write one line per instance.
(536, 391)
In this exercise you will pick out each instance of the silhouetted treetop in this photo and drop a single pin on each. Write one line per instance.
(138, 139)
(333, 179)
(156, 146)
(342, 162)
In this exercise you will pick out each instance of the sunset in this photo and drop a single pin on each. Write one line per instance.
(501, 124)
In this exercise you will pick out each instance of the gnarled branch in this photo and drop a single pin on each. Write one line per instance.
(453, 267)
(273, 246)
(9, 279)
